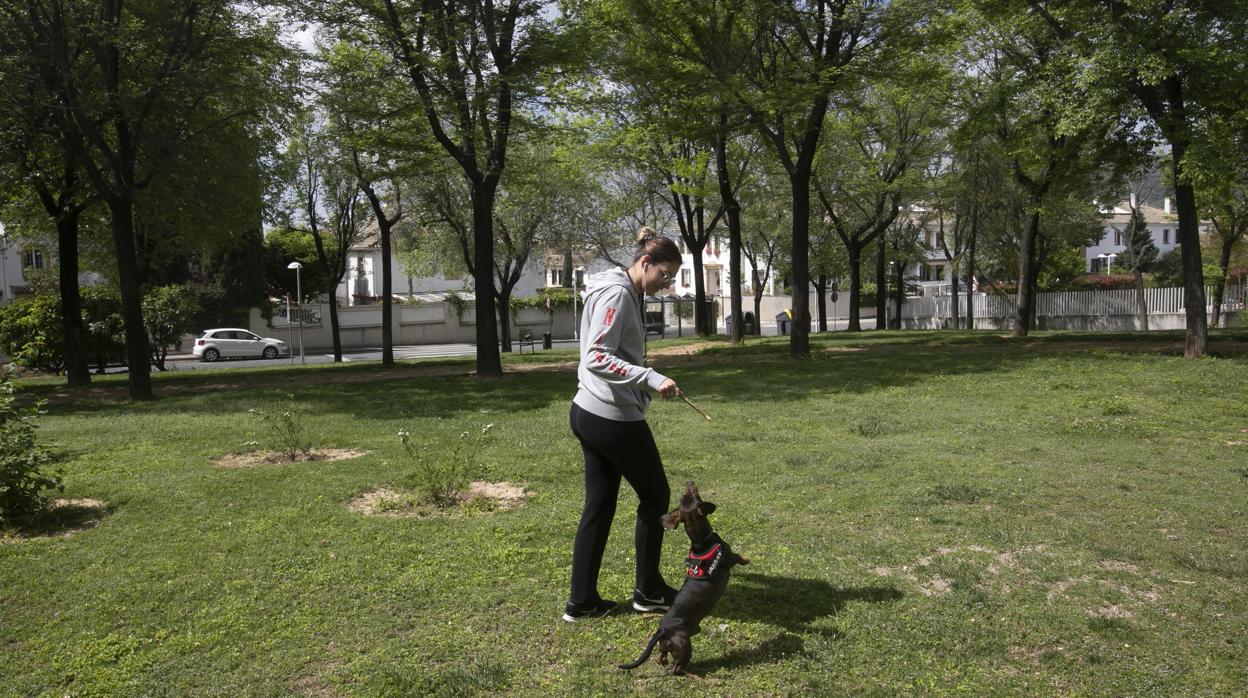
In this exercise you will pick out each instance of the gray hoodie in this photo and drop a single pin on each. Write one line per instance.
(611, 377)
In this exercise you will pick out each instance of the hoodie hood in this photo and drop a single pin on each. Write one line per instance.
(615, 276)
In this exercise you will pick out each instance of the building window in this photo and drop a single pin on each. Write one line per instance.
(685, 277)
(32, 259)
(925, 272)
(556, 276)
(940, 239)
(938, 273)
(1165, 236)
(927, 238)
(1117, 237)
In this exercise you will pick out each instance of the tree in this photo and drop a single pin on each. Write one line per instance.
(1055, 130)
(469, 63)
(1219, 171)
(1181, 62)
(330, 207)
(803, 52)
(875, 152)
(133, 82)
(168, 312)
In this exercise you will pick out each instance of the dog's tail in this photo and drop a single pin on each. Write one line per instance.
(645, 654)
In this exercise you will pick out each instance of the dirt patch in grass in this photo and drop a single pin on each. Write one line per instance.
(481, 497)
(62, 519)
(256, 459)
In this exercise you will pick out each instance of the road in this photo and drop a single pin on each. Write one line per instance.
(185, 362)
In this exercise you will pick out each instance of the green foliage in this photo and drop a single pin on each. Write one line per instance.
(458, 303)
(31, 334)
(168, 313)
(104, 330)
(22, 460)
(546, 299)
(287, 434)
(440, 475)
(1063, 268)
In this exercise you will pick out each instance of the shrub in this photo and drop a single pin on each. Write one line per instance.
(22, 480)
(440, 476)
(30, 332)
(286, 430)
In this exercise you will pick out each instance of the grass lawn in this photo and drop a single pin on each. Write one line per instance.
(927, 513)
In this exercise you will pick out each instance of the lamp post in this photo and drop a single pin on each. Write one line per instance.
(290, 331)
(1109, 261)
(298, 307)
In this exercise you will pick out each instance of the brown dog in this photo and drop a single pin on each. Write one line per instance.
(708, 566)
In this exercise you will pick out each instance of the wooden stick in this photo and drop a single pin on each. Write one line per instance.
(695, 407)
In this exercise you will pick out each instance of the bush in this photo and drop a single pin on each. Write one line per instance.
(22, 480)
(441, 477)
(286, 431)
(30, 332)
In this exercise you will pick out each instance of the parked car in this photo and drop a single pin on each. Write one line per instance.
(230, 342)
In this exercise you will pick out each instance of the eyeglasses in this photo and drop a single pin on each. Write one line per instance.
(666, 277)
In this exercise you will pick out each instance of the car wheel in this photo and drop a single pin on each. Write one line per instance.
(270, 352)
(211, 355)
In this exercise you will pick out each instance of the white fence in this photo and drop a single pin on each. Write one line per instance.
(1087, 310)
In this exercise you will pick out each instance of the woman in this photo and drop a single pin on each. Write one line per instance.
(609, 419)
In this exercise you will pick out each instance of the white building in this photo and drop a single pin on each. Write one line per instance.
(20, 259)
(1163, 227)
(715, 269)
(361, 285)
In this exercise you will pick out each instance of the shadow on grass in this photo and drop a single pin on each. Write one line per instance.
(789, 603)
(65, 517)
(793, 603)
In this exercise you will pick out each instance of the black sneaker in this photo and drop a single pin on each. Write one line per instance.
(658, 601)
(576, 611)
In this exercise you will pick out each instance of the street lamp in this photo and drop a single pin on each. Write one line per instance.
(576, 282)
(298, 308)
(1109, 261)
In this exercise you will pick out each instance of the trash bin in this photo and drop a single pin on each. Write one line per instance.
(546, 344)
(782, 322)
(747, 323)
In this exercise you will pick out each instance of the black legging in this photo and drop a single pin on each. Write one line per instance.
(613, 449)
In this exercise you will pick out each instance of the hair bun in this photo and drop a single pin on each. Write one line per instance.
(646, 233)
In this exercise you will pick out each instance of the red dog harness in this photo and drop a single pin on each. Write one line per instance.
(704, 565)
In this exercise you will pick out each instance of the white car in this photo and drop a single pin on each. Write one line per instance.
(229, 342)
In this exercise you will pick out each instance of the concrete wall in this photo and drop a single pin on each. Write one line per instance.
(1080, 323)
(425, 323)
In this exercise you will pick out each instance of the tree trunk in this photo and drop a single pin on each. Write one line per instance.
(881, 288)
(1141, 303)
(954, 299)
(1224, 264)
(333, 320)
(821, 304)
(799, 181)
(970, 269)
(855, 287)
(901, 294)
(489, 362)
(77, 370)
(699, 291)
(137, 355)
(387, 301)
(504, 320)
(732, 212)
(1026, 274)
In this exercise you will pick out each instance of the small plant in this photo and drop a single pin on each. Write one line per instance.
(22, 480)
(286, 430)
(441, 476)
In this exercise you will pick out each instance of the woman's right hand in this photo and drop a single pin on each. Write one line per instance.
(668, 389)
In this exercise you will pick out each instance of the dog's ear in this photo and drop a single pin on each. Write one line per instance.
(707, 508)
(671, 519)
